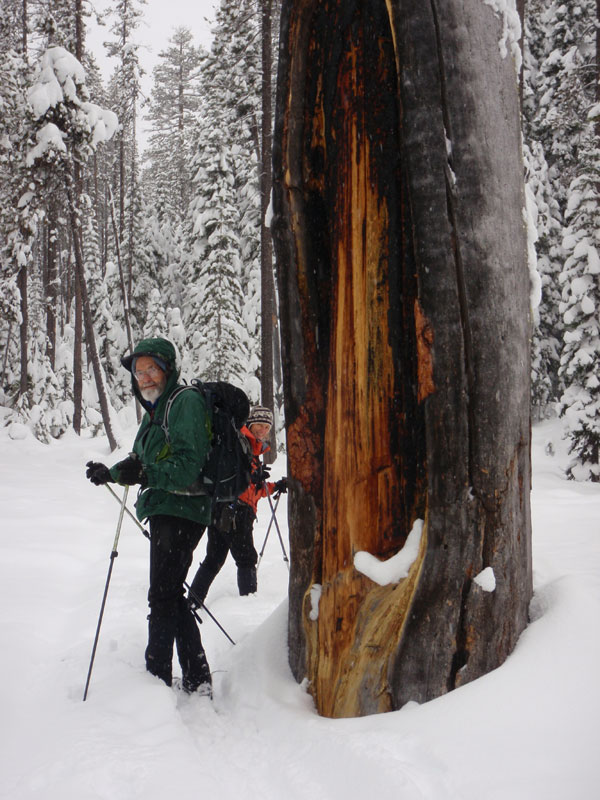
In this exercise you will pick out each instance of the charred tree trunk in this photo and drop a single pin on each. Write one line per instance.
(404, 298)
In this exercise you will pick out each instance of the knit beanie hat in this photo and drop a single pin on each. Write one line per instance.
(260, 414)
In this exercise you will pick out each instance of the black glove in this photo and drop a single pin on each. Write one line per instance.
(98, 473)
(260, 475)
(281, 485)
(131, 470)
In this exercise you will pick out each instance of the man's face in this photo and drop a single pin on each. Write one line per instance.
(150, 377)
(260, 431)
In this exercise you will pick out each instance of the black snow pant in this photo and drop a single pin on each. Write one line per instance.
(172, 544)
(237, 540)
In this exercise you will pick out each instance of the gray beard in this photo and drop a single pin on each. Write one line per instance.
(151, 395)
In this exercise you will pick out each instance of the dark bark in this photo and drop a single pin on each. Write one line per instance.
(77, 354)
(22, 276)
(124, 292)
(23, 328)
(78, 274)
(88, 322)
(267, 285)
(405, 325)
(597, 124)
(51, 282)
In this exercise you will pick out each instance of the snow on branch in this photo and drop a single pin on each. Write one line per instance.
(48, 138)
(61, 80)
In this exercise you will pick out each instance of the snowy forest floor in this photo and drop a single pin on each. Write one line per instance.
(527, 731)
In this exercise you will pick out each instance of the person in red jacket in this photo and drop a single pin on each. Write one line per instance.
(233, 531)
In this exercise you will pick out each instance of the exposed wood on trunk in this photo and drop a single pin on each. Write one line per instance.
(404, 305)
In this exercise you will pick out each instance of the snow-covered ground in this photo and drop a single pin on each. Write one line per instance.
(528, 731)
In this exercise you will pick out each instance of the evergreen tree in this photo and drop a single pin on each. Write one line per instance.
(561, 42)
(174, 102)
(580, 359)
(558, 64)
(547, 332)
(213, 312)
(226, 173)
(125, 92)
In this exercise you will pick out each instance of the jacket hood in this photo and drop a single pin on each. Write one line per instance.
(160, 348)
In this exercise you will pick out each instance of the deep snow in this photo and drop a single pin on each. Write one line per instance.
(528, 731)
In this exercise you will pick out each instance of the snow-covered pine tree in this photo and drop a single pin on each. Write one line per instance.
(558, 57)
(562, 44)
(104, 293)
(138, 253)
(216, 335)
(68, 129)
(124, 93)
(580, 306)
(231, 78)
(174, 101)
(156, 320)
(20, 211)
(547, 332)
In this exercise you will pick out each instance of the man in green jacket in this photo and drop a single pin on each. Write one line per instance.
(177, 520)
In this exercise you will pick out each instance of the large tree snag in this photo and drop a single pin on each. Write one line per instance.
(404, 296)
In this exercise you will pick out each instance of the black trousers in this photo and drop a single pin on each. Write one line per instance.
(172, 544)
(239, 542)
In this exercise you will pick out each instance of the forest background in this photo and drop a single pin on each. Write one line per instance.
(102, 243)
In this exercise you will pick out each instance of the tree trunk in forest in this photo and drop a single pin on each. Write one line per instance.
(88, 322)
(51, 287)
(267, 287)
(23, 329)
(78, 321)
(597, 123)
(124, 292)
(404, 298)
(22, 276)
(77, 356)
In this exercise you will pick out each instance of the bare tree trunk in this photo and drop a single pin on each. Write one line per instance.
(24, 29)
(77, 352)
(51, 282)
(404, 301)
(22, 276)
(78, 321)
(23, 329)
(88, 322)
(597, 123)
(124, 292)
(266, 248)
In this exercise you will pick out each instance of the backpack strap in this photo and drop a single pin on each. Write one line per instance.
(165, 420)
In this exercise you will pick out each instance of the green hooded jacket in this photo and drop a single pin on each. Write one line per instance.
(170, 468)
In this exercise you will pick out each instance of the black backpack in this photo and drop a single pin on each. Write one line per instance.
(226, 473)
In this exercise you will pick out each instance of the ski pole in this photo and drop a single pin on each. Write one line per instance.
(285, 558)
(210, 614)
(113, 555)
(147, 535)
(273, 510)
(127, 511)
